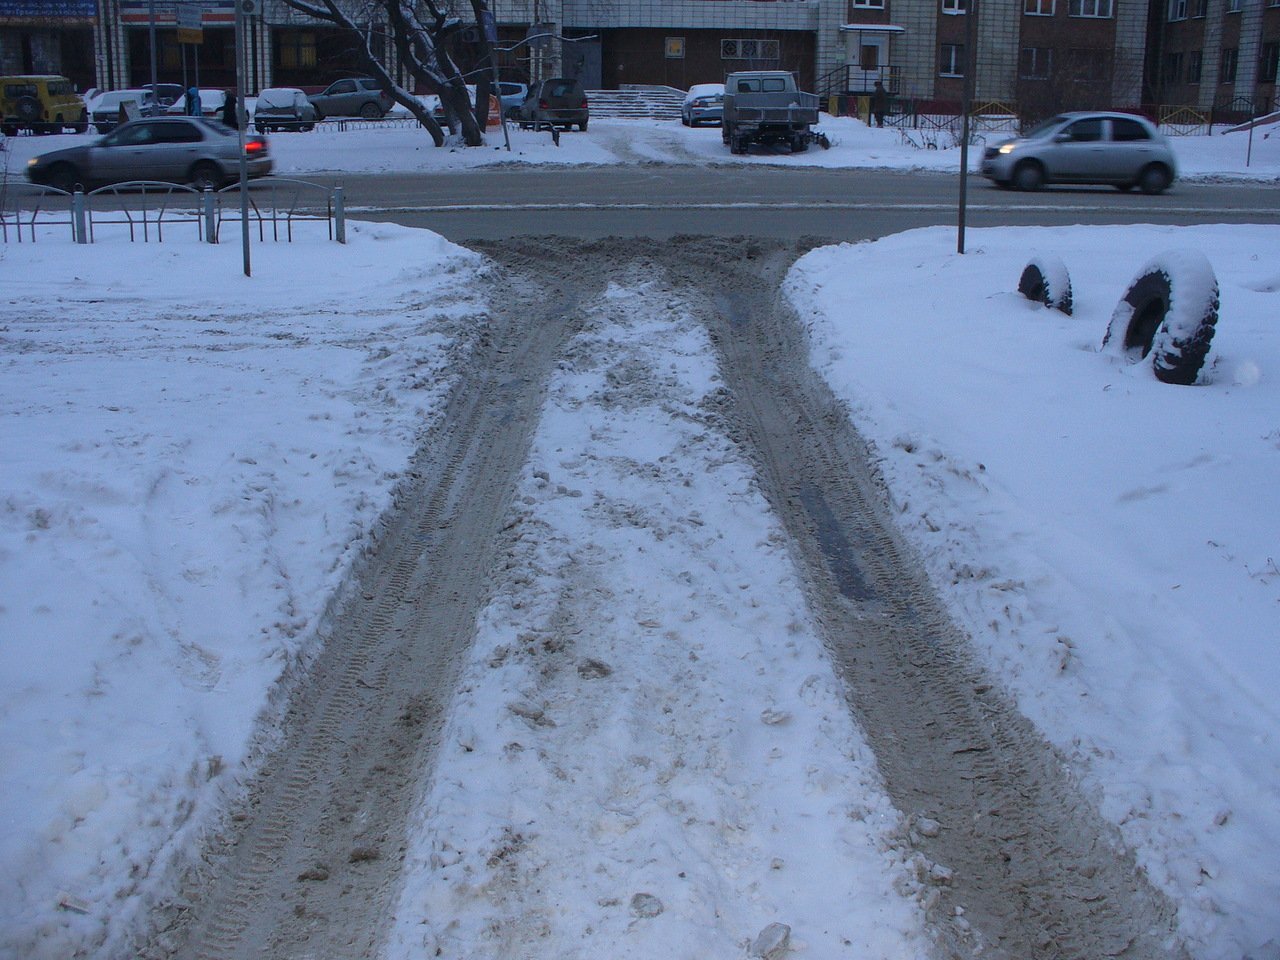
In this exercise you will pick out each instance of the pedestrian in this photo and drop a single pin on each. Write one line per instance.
(193, 103)
(229, 111)
(879, 103)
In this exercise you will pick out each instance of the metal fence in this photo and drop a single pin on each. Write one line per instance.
(146, 209)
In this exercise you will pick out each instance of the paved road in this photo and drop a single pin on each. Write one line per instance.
(663, 201)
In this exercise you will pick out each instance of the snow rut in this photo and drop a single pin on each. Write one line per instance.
(1007, 859)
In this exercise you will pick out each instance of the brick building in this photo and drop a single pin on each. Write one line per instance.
(1041, 55)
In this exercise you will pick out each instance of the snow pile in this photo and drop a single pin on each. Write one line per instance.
(649, 755)
(1109, 541)
(193, 462)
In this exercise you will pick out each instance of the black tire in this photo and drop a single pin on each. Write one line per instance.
(1045, 280)
(9, 130)
(205, 176)
(63, 176)
(1143, 322)
(583, 126)
(799, 144)
(307, 127)
(261, 127)
(371, 111)
(1028, 175)
(1154, 179)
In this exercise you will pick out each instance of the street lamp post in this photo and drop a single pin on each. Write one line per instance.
(242, 7)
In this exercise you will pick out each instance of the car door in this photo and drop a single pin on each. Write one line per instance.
(1130, 147)
(176, 147)
(340, 99)
(123, 154)
(1078, 151)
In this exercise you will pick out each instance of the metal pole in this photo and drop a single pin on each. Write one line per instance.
(970, 69)
(151, 11)
(242, 7)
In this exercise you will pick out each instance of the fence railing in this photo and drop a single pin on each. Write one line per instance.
(147, 208)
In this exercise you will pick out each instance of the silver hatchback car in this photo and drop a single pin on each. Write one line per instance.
(1119, 149)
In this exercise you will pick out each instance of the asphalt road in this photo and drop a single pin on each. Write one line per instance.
(663, 201)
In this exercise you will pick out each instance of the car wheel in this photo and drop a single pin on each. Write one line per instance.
(307, 127)
(205, 176)
(583, 126)
(82, 125)
(260, 127)
(1171, 312)
(1028, 175)
(27, 110)
(63, 176)
(1154, 179)
(371, 111)
(799, 144)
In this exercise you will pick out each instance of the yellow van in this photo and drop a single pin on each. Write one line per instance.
(41, 104)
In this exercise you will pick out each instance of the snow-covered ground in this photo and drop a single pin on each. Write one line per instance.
(194, 460)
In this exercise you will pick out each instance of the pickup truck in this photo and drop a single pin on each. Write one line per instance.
(766, 106)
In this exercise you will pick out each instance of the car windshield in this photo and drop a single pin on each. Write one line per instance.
(277, 97)
(116, 97)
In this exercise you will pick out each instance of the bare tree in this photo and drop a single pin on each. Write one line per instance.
(421, 33)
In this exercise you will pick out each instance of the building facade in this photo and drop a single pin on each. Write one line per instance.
(1039, 56)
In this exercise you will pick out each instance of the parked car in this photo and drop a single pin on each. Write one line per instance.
(559, 102)
(167, 93)
(41, 104)
(704, 103)
(354, 97)
(1120, 149)
(511, 95)
(192, 150)
(283, 108)
(211, 101)
(106, 109)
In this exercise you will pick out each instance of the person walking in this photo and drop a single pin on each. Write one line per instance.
(879, 103)
(229, 116)
(193, 103)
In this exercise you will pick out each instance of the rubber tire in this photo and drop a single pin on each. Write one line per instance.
(1141, 324)
(799, 145)
(205, 173)
(371, 111)
(63, 176)
(1028, 176)
(583, 126)
(1034, 284)
(27, 110)
(1154, 180)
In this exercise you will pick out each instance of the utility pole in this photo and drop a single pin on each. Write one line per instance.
(966, 101)
(242, 7)
(151, 19)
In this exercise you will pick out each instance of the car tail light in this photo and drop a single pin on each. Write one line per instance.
(255, 146)
(542, 105)
(584, 104)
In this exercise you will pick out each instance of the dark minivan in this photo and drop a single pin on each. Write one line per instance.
(558, 102)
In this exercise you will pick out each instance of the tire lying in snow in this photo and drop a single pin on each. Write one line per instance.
(1045, 280)
(1170, 312)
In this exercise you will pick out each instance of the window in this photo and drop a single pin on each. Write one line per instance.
(1035, 63)
(1233, 6)
(1090, 8)
(1085, 131)
(1267, 62)
(1038, 8)
(1173, 68)
(951, 60)
(749, 49)
(1199, 9)
(868, 4)
(1085, 65)
(954, 6)
(1195, 65)
(297, 48)
(1126, 131)
(1177, 10)
(1230, 57)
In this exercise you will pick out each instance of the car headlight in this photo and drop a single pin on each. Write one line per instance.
(33, 163)
(1006, 148)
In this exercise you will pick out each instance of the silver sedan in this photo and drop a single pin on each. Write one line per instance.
(1119, 149)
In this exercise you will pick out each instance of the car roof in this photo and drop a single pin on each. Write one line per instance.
(33, 76)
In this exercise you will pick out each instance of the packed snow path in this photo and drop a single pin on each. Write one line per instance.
(990, 838)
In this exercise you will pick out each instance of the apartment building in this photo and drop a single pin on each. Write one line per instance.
(1040, 55)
